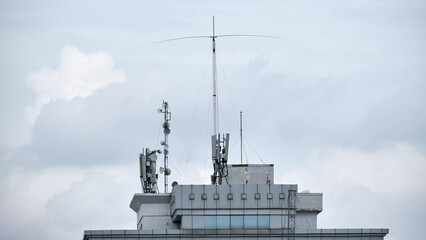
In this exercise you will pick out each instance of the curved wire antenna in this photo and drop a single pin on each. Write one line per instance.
(216, 36)
(180, 38)
(246, 35)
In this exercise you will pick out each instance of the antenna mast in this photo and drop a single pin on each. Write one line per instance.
(241, 136)
(165, 143)
(215, 117)
(219, 146)
(148, 158)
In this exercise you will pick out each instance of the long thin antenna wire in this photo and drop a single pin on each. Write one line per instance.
(244, 146)
(233, 145)
(254, 150)
(196, 136)
(214, 36)
(224, 117)
(186, 143)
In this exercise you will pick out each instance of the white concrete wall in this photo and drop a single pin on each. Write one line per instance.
(152, 216)
(309, 202)
(157, 222)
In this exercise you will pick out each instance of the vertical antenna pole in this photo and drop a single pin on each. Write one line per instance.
(241, 136)
(166, 145)
(165, 142)
(215, 119)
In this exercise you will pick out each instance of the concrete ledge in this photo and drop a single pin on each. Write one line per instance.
(237, 233)
(310, 202)
(147, 198)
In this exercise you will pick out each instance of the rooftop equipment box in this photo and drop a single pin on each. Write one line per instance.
(250, 174)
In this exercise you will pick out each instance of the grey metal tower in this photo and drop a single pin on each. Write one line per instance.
(165, 143)
(292, 198)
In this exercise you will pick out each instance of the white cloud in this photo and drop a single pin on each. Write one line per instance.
(366, 188)
(65, 201)
(78, 75)
(394, 169)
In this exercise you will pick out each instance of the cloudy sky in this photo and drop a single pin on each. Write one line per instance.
(337, 103)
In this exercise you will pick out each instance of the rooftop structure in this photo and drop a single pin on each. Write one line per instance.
(232, 211)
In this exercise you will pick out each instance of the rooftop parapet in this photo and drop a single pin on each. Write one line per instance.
(148, 198)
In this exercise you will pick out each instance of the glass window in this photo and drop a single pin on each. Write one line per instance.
(222, 222)
(210, 222)
(262, 221)
(236, 222)
(250, 221)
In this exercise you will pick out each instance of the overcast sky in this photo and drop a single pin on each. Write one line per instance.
(337, 103)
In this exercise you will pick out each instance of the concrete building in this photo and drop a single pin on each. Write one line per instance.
(249, 206)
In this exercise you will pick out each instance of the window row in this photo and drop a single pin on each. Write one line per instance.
(230, 196)
(236, 222)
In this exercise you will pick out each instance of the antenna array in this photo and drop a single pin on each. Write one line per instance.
(148, 158)
(165, 143)
(148, 172)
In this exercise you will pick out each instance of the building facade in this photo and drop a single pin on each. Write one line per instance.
(251, 206)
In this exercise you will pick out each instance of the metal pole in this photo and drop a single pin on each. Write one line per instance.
(165, 142)
(165, 147)
(241, 136)
(215, 120)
